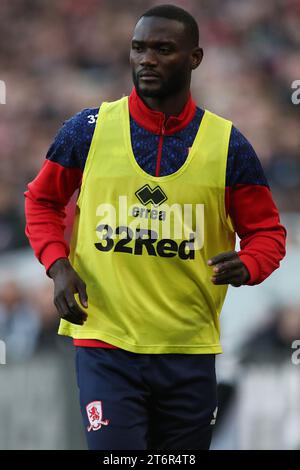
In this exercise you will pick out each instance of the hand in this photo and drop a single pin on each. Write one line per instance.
(228, 269)
(66, 284)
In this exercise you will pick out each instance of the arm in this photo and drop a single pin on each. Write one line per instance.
(255, 217)
(49, 193)
(45, 202)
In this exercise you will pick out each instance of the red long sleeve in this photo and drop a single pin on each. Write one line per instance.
(256, 221)
(45, 202)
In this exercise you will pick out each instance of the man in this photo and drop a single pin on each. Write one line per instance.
(164, 186)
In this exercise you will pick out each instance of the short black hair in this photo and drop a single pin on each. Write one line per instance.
(173, 12)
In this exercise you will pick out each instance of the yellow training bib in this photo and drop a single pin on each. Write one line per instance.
(141, 243)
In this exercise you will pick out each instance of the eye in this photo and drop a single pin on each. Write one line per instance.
(164, 50)
(137, 48)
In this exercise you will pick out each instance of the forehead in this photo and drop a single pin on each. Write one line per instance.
(155, 29)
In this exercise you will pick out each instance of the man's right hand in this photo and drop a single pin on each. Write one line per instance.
(66, 284)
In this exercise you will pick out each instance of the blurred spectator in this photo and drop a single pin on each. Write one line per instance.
(11, 220)
(19, 323)
(42, 301)
(272, 344)
(268, 408)
(260, 408)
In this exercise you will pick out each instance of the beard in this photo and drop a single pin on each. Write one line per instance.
(166, 87)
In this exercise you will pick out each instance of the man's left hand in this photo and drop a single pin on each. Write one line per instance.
(228, 269)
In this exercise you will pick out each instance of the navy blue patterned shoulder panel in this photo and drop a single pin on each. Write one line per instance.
(72, 142)
(243, 165)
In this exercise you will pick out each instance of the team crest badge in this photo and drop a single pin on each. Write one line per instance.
(95, 416)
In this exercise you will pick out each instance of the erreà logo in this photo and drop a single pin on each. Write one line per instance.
(146, 195)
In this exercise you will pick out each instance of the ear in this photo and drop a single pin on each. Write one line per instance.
(197, 56)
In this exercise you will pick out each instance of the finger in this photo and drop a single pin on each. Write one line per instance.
(73, 307)
(236, 282)
(227, 274)
(81, 289)
(61, 305)
(226, 256)
(227, 265)
(227, 278)
(65, 313)
(73, 318)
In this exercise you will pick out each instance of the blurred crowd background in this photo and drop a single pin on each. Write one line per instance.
(59, 57)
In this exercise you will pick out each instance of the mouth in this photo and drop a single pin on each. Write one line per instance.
(149, 76)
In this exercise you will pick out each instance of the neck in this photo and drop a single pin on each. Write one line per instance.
(170, 105)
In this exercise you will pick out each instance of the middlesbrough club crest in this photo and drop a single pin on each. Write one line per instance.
(94, 412)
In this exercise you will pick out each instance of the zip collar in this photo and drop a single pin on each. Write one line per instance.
(155, 121)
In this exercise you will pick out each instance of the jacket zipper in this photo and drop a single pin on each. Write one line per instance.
(159, 151)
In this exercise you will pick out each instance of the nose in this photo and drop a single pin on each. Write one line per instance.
(148, 58)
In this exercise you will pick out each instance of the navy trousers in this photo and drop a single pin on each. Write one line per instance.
(146, 401)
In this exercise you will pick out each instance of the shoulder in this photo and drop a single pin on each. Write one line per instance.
(71, 143)
(243, 165)
(77, 126)
(84, 119)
